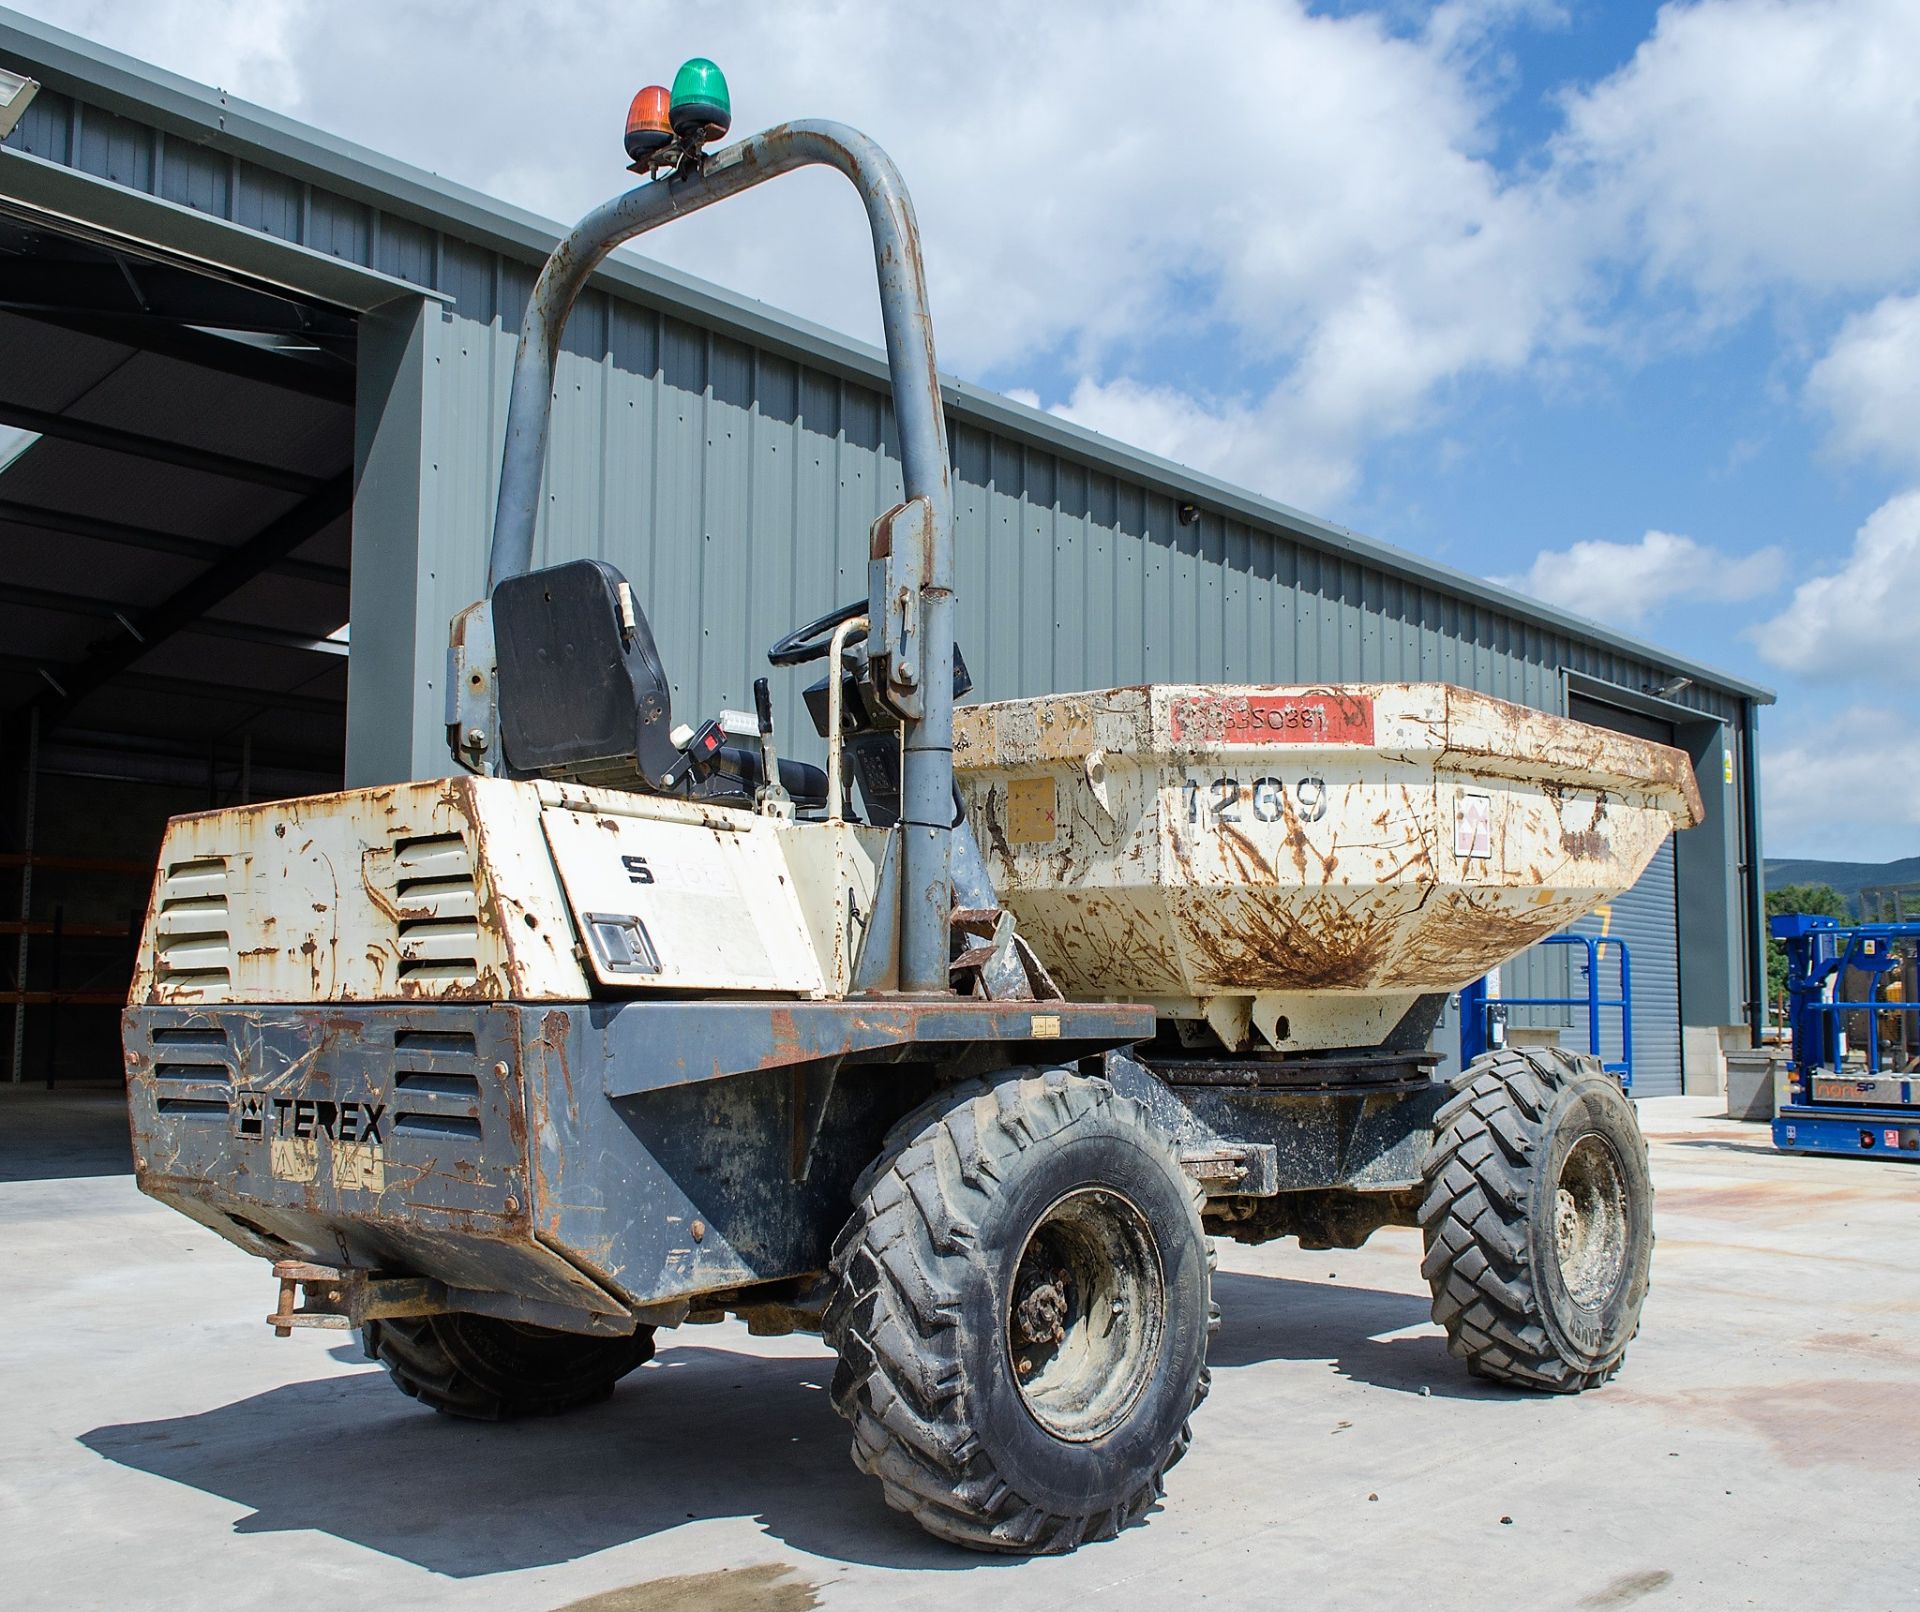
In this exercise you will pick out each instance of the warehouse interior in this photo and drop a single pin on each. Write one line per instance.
(176, 458)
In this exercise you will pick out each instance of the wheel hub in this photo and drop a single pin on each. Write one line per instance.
(1040, 1316)
(1085, 1314)
(1590, 1221)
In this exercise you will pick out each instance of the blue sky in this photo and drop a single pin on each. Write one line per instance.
(1619, 303)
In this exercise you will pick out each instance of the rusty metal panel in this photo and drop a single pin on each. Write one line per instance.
(387, 1138)
(650, 1150)
(706, 900)
(681, 1148)
(435, 891)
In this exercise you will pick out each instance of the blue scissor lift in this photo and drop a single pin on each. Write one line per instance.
(1845, 1098)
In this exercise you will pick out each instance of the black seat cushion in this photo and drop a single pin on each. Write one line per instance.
(580, 681)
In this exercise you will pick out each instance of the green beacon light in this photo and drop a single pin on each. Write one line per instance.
(701, 108)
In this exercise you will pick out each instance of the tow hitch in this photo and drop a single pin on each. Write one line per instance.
(323, 1288)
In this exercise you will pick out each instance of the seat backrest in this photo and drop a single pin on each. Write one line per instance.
(580, 684)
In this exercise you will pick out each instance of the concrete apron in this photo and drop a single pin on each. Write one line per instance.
(1759, 1448)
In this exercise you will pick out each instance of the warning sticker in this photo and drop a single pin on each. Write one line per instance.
(1031, 810)
(294, 1158)
(1316, 718)
(1472, 825)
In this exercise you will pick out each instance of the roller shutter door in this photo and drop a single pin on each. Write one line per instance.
(1646, 918)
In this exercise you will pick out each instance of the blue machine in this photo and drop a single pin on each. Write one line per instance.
(1853, 1006)
(1482, 1015)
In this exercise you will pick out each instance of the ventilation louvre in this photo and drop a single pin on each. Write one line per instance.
(413, 1123)
(192, 945)
(200, 1108)
(439, 1062)
(439, 931)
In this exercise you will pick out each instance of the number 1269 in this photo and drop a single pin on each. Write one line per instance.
(1264, 800)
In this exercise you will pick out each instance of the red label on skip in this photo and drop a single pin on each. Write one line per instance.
(1276, 719)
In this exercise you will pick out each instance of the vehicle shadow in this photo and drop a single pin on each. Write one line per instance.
(700, 1432)
(1266, 1318)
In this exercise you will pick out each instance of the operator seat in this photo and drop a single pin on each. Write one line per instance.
(582, 693)
(583, 697)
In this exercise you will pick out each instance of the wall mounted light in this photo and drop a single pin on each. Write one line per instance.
(16, 94)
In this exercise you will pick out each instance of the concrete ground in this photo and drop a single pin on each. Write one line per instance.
(1760, 1449)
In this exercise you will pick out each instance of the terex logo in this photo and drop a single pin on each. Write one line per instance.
(259, 1113)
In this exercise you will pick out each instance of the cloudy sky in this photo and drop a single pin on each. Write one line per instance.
(1614, 301)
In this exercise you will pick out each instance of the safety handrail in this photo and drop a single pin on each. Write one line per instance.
(1593, 1001)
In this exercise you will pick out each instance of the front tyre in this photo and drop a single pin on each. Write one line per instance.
(1021, 1313)
(489, 1370)
(1537, 1214)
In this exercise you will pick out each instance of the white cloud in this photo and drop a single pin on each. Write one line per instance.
(1271, 442)
(252, 47)
(1857, 621)
(1467, 24)
(1625, 583)
(1849, 791)
(1337, 227)
(1755, 142)
(1869, 382)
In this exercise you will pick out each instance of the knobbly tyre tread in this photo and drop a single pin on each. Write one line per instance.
(1477, 1184)
(426, 1364)
(894, 1322)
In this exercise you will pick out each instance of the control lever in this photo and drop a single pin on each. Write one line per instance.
(769, 756)
(697, 757)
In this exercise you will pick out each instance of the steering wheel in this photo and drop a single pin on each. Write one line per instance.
(812, 641)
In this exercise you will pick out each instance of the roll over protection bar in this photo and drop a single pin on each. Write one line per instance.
(918, 595)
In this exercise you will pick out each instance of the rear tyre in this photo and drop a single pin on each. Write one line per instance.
(491, 1370)
(1537, 1214)
(1021, 1313)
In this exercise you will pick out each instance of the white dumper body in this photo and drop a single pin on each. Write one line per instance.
(1295, 867)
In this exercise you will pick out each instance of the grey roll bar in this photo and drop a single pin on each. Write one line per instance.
(926, 821)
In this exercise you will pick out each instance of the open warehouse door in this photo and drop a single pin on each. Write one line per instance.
(176, 490)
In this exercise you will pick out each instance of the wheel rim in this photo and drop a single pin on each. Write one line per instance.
(1085, 1314)
(1590, 1224)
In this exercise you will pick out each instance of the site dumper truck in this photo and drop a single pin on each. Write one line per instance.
(954, 1051)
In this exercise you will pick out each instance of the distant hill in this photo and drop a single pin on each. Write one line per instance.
(1849, 878)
